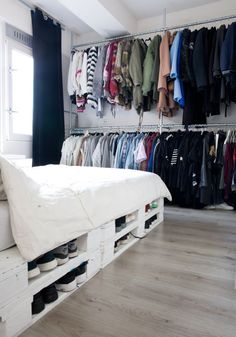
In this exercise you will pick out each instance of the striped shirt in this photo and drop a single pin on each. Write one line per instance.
(91, 64)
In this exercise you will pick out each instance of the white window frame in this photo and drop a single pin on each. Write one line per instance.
(9, 113)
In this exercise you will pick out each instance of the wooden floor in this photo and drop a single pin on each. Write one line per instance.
(177, 282)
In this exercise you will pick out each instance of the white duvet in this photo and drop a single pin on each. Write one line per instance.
(51, 205)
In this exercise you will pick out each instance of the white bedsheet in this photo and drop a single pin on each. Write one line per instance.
(6, 238)
(50, 205)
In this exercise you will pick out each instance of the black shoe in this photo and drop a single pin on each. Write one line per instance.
(82, 268)
(33, 269)
(50, 294)
(120, 222)
(61, 254)
(116, 246)
(124, 239)
(153, 218)
(47, 262)
(67, 282)
(147, 224)
(72, 248)
(37, 304)
(80, 273)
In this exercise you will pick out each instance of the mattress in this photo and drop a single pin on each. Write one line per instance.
(53, 204)
(6, 238)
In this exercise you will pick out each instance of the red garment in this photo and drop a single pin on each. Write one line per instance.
(114, 89)
(149, 142)
(111, 85)
(234, 157)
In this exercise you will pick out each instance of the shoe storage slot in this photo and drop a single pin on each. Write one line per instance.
(123, 247)
(127, 227)
(150, 223)
(47, 278)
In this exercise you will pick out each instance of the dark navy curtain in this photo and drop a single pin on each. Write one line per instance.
(48, 109)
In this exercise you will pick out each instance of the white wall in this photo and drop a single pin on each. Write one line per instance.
(205, 12)
(18, 15)
(123, 118)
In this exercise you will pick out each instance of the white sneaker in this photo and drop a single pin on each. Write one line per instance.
(224, 207)
(210, 207)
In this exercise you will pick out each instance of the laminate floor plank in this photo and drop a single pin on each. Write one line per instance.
(177, 282)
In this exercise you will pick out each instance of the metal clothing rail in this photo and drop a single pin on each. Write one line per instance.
(112, 128)
(161, 29)
(153, 128)
(198, 126)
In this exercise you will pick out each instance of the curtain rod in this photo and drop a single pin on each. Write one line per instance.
(162, 29)
(25, 3)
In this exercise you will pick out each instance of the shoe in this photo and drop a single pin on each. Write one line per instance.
(67, 282)
(118, 228)
(72, 248)
(80, 273)
(124, 239)
(37, 304)
(153, 218)
(210, 207)
(47, 262)
(49, 294)
(119, 223)
(224, 207)
(116, 247)
(147, 208)
(61, 254)
(147, 224)
(33, 269)
(130, 217)
(153, 205)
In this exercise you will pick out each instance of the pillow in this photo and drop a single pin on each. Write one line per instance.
(2, 192)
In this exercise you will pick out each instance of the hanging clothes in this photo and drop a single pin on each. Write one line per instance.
(166, 104)
(91, 65)
(193, 102)
(127, 85)
(156, 67)
(110, 85)
(151, 67)
(192, 70)
(219, 81)
(175, 69)
(198, 167)
(98, 79)
(230, 168)
(137, 57)
(228, 63)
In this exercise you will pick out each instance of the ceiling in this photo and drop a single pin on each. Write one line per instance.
(110, 17)
(149, 8)
(59, 12)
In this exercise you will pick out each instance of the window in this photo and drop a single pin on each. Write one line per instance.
(20, 91)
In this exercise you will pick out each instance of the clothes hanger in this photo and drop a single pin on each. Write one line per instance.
(227, 137)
